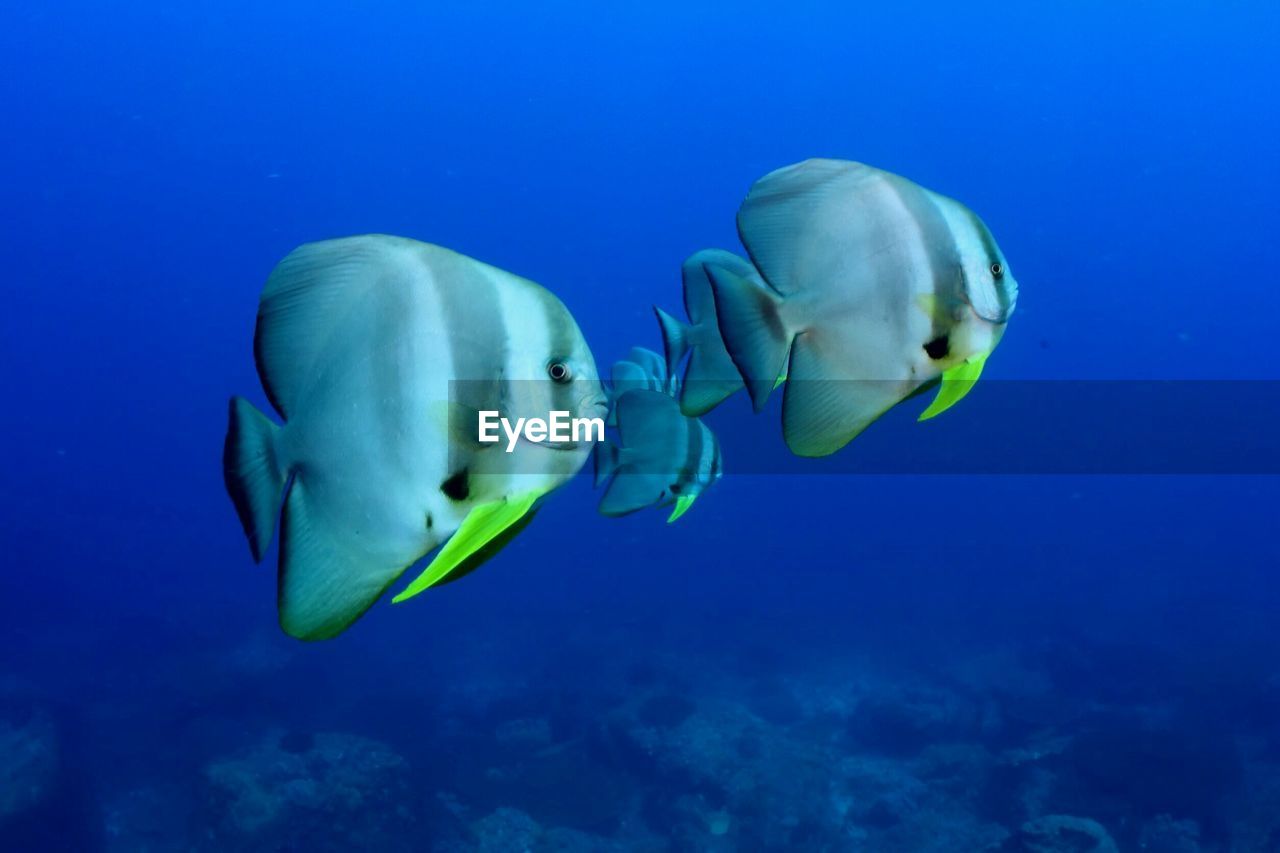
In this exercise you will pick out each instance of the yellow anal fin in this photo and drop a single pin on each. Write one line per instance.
(956, 383)
(682, 506)
(484, 523)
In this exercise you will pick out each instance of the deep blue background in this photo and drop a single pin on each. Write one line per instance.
(157, 160)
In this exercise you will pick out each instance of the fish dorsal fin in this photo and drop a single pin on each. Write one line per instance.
(627, 376)
(482, 524)
(311, 297)
(791, 219)
(956, 383)
(650, 362)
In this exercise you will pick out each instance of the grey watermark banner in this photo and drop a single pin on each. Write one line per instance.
(1003, 427)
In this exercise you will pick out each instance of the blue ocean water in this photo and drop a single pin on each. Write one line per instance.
(808, 660)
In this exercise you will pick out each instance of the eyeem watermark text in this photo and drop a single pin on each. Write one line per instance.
(559, 428)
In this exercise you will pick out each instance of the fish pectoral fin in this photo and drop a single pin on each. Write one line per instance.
(956, 383)
(483, 524)
(682, 506)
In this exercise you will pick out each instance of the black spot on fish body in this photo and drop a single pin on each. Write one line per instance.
(938, 348)
(456, 488)
(430, 521)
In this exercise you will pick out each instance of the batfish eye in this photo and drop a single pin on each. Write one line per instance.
(559, 371)
(997, 270)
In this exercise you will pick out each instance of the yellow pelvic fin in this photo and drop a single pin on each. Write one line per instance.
(481, 525)
(956, 383)
(682, 506)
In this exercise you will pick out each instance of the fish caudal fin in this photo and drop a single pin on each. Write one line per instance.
(252, 473)
(710, 378)
(675, 338)
(752, 330)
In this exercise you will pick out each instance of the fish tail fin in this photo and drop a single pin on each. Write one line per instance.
(253, 474)
(753, 331)
(709, 379)
(675, 338)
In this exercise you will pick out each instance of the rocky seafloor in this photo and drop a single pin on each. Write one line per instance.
(664, 751)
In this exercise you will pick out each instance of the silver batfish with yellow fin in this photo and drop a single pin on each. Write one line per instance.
(378, 352)
(661, 457)
(873, 287)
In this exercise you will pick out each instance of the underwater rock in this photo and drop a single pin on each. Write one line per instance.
(505, 830)
(748, 780)
(328, 792)
(905, 721)
(510, 830)
(1134, 764)
(1254, 817)
(28, 761)
(149, 819)
(1166, 835)
(1061, 834)
(664, 710)
(926, 804)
